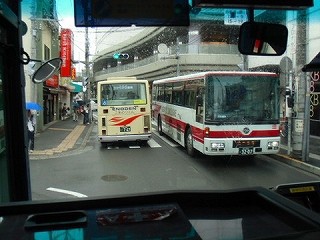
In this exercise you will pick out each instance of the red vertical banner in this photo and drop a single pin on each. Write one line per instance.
(73, 73)
(66, 52)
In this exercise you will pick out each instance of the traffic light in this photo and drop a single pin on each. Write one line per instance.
(121, 56)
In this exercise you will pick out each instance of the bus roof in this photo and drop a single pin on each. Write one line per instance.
(122, 80)
(203, 74)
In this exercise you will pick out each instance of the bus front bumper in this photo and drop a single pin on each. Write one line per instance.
(125, 138)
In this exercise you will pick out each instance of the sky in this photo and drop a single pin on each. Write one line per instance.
(106, 37)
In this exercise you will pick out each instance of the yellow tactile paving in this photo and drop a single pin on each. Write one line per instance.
(66, 144)
(61, 129)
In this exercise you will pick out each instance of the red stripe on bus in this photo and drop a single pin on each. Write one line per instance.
(116, 119)
(238, 134)
(127, 121)
(199, 134)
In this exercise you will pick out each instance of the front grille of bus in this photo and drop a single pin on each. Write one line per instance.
(246, 143)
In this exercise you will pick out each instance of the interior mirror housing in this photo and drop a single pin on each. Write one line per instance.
(47, 70)
(264, 39)
(314, 65)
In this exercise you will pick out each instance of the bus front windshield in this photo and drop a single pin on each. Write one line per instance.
(236, 99)
(116, 94)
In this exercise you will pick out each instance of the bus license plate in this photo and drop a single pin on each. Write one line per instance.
(125, 129)
(245, 151)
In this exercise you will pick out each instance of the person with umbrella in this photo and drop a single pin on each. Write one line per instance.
(31, 124)
(33, 106)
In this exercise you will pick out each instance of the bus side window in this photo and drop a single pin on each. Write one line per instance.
(189, 99)
(168, 93)
(160, 93)
(186, 98)
(199, 105)
(177, 97)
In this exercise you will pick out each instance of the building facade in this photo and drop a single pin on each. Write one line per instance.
(42, 43)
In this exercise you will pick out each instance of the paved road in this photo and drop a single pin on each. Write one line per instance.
(65, 137)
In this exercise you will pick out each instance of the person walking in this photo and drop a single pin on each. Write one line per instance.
(31, 124)
(75, 109)
(86, 114)
(64, 112)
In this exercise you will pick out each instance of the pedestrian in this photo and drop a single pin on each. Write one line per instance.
(31, 124)
(64, 111)
(75, 108)
(86, 114)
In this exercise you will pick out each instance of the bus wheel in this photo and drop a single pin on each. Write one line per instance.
(189, 143)
(160, 126)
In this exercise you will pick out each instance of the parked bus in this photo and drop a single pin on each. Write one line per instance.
(220, 113)
(124, 110)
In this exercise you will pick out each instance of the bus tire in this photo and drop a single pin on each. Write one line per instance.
(159, 126)
(189, 143)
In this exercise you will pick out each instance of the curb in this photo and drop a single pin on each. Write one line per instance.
(297, 163)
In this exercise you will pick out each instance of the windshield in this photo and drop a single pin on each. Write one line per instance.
(240, 99)
(122, 94)
(187, 130)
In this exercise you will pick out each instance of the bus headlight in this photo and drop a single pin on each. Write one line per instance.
(273, 144)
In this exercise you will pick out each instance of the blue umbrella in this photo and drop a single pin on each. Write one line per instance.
(33, 106)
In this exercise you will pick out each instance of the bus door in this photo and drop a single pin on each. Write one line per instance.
(199, 104)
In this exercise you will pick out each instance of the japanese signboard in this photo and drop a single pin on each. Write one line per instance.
(66, 52)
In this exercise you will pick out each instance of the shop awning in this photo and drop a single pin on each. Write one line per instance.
(77, 87)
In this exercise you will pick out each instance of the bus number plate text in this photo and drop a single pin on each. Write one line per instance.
(245, 151)
(125, 129)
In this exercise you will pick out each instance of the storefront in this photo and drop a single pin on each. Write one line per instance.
(315, 104)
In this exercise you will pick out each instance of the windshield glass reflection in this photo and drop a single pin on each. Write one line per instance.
(242, 99)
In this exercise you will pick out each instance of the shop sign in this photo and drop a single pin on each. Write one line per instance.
(53, 81)
(66, 52)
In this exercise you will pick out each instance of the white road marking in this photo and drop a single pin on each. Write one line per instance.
(168, 141)
(134, 146)
(112, 147)
(76, 194)
(315, 156)
(153, 144)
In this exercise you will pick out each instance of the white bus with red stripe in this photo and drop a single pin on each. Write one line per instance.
(220, 113)
(124, 110)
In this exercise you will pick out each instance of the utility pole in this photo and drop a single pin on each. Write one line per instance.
(300, 140)
(87, 61)
(177, 57)
(88, 95)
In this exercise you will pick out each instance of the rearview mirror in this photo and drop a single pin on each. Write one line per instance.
(264, 39)
(47, 70)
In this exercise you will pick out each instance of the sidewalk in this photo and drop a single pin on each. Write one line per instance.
(63, 136)
(313, 163)
(59, 137)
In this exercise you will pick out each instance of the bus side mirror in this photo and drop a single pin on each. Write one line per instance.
(264, 39)
(290, 102)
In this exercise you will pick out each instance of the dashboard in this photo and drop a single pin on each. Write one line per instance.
(253, 213)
